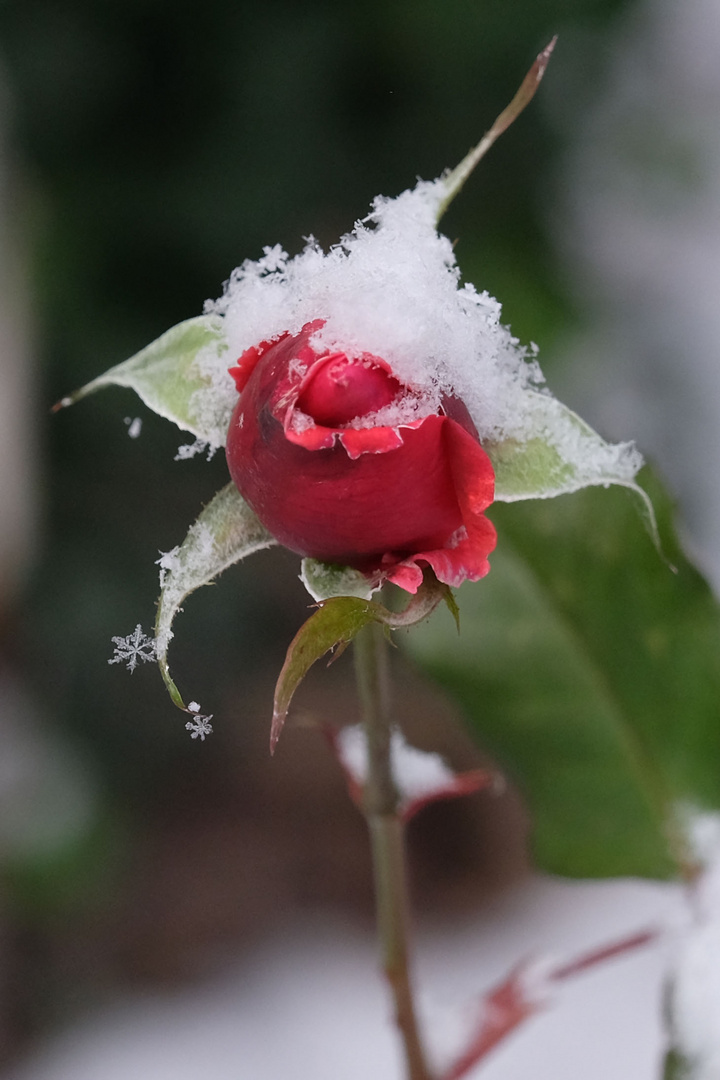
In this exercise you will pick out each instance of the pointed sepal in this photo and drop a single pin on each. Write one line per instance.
(178, 376)
(225, 532)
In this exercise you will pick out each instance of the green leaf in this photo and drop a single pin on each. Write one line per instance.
(225, 532)
(332, 626)
(179, 377)
(590, 671)
(560, 454)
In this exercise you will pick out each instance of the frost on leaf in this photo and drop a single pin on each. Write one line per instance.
(190, 450)
(200, 726)
(226, 531)
(133, 649)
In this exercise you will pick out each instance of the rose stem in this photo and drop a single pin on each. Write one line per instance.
(381, 808)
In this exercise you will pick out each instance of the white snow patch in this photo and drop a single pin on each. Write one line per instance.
(391, 289)
(695, 985)
(308, 1001)
(417, 773)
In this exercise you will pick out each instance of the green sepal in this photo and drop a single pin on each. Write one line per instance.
(560, 454)
(176, 376)
(225, 532)
(324, 580)
(332, 626)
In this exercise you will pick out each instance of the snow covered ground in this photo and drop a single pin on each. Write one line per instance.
(309, 1003)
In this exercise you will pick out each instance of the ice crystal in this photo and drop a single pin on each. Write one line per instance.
(133, 648)
(189, 450)
(134, 426)
(200, 725)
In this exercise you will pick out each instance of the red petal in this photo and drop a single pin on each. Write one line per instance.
(382, 499)
(337, 390)
(247, 362)
(464, 558)
(377, 440)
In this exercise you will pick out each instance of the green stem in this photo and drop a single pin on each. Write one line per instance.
(381, 807)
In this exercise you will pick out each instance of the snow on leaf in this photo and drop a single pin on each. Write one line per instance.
(421, 777)
(190, 450)
(559, 454)
(181, 376)
(136, 647)
(225, 532)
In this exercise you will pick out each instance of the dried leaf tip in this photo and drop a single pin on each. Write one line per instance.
(451, 184)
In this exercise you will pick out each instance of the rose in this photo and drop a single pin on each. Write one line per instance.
(344, 463)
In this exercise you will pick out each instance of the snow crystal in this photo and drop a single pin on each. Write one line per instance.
(136, 647)
(134, 426)
(200, 725)
(189, 450)
(169, 563)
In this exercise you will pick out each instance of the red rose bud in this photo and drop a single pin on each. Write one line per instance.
(321, 449)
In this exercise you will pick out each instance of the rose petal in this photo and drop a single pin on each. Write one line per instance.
(464, 558)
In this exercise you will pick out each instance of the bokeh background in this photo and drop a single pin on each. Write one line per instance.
(146, 148)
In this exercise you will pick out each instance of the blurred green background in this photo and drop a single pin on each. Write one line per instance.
(149, 147)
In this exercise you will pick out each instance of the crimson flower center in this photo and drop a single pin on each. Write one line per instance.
(339, 390)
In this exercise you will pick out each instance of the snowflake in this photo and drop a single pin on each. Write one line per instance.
(169, 563)
(136, 646)
(189, 450)
(200, 725)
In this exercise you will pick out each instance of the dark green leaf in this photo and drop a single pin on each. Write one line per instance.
(590, 670)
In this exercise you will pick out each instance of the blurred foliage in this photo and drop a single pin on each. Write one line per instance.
(590, 670)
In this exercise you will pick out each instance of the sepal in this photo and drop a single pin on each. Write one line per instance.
(179, 377)
(225, 532)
